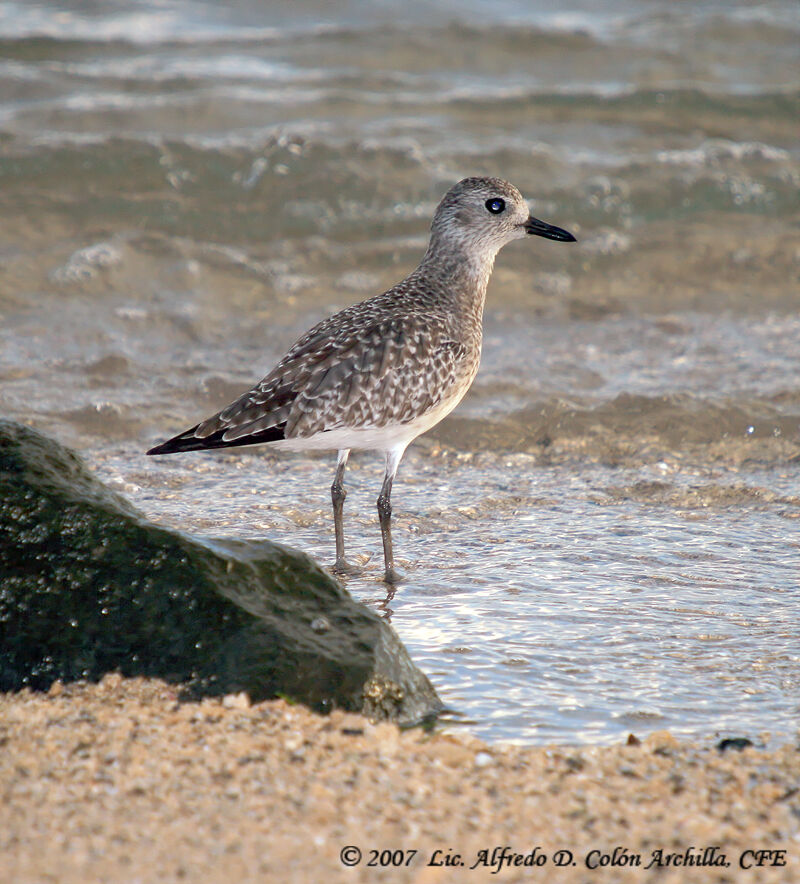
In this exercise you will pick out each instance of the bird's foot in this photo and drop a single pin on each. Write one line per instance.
(392, 576)
(343, 568)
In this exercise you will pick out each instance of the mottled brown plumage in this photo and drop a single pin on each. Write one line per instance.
(379, 373)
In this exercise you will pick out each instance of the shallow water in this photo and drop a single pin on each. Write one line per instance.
(604, 537)
(545, 604)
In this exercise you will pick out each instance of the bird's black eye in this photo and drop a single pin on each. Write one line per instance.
(495, 205)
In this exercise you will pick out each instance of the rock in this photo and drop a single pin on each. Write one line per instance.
(738, 743)
(88, 586)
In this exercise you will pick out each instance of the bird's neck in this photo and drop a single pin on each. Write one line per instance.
(459, 277)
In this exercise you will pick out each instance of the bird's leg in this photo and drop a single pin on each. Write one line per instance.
(385, 513)
(385, 517)
(338, 494)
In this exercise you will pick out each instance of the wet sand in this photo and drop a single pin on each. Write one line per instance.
(122, 782)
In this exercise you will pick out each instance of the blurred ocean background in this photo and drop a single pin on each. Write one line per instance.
(604, 537)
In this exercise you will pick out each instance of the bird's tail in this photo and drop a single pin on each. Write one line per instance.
(188, 441)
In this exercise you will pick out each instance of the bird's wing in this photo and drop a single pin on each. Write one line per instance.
(370, 374)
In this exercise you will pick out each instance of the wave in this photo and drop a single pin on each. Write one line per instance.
(307, 180)
(633, 427)
(202, 23)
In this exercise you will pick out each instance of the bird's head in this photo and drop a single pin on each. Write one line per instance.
(483, 214)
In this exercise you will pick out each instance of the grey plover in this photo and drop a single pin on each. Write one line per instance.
(378, 374)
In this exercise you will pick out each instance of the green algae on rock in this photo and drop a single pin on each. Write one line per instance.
(89, 586)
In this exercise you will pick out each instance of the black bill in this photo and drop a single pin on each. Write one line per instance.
(548, 231)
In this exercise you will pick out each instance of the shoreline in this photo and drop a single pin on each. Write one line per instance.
(121, 781)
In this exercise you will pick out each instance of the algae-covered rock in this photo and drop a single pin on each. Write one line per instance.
(88, 586)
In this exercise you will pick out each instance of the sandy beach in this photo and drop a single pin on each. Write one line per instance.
(119, 781)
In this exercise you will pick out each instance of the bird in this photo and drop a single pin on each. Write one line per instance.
(379, 373)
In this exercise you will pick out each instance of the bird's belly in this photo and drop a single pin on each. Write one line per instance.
(366, 438)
